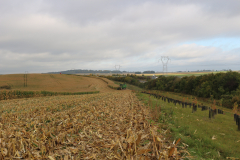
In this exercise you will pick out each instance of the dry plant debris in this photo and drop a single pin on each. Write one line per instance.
(103, 126)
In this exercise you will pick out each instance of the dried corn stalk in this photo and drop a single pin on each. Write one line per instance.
(103, 126)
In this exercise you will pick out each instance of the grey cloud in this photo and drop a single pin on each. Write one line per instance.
(98, 34)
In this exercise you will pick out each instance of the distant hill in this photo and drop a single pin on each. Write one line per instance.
(77, 71)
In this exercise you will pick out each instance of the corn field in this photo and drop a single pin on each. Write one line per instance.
(97, 126)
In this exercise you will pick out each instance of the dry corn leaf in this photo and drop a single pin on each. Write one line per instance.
(113, 125)
(65, 157)
(213, 137)
(142, 151)
(51, 158)
(4, 151)
(170, 153)
(159, 139)
(138, 139)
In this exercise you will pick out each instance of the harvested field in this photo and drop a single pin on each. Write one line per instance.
(110, 83)
(53, 82)
(102, 126)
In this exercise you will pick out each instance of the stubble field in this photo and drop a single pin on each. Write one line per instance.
(110, 125)
(53, 82)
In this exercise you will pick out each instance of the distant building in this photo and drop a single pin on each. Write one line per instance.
(142, 81)
(154, 77)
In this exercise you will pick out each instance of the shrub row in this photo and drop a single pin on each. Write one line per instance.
(4, 95)
(5, 87)
(225, 86)
(215, 85)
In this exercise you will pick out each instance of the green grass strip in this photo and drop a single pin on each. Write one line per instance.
(203, 138)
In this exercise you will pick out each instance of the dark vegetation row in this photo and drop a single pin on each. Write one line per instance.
(76, 71)
(224, 86)
(4, 95)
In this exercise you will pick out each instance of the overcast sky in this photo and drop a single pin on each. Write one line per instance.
(55, 35)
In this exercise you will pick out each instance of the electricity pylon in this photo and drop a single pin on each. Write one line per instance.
(165, 60)
(117, 67)
(25, 78)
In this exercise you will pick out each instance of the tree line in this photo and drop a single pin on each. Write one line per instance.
(223, 86)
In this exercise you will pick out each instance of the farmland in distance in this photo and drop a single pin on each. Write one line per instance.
(182, 74)
(53, 82)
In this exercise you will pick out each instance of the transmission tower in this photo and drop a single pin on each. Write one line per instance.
(165, 60)
(25, 78)
(117, 67)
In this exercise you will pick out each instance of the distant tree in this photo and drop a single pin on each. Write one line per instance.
(148, 72)
(138, 72)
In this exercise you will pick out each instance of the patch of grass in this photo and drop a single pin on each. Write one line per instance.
(190, 98)
(204, 138)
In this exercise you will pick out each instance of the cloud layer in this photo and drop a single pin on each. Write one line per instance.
(42, 36)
